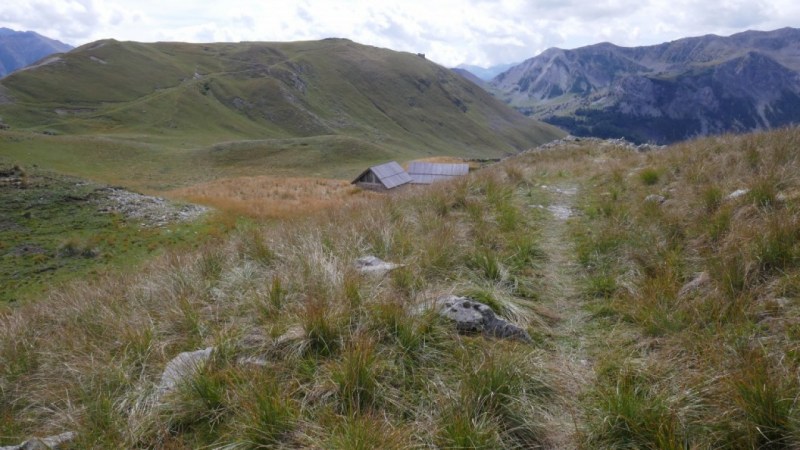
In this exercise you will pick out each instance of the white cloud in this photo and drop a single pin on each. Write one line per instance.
(481, 32)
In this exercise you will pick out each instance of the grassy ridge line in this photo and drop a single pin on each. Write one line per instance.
(364, 370)
(207, 93)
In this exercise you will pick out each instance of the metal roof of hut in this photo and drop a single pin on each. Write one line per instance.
(427, 173)
(389, 175)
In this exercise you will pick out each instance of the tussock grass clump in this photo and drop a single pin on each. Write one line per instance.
(491, 405)
(323, 327)
(649, 176)
(365, 433)
(356, 377)
(765, 397)
(633, 411)
(74, 247)
(267, 412)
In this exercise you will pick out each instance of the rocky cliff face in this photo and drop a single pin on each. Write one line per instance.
(663, 93)
(21, 48)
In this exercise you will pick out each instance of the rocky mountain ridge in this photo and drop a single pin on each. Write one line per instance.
(22, 48)
(663, 93)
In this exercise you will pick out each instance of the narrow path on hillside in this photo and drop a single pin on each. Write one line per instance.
(570, 336)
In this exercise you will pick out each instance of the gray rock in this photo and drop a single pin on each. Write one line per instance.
(252, 361)
(48, 443)
(373, 264)
(701, 279)
(183, 366)
(150, 211)
(655, 198)
(293, 334)
(737, 193)
(471, 316)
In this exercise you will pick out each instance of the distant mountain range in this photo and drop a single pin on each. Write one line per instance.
(662, 93)
(21, 48)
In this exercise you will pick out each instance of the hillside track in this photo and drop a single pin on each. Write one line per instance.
(571, 336)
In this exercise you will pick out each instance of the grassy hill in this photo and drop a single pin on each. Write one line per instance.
(195, 110)
(661, 291)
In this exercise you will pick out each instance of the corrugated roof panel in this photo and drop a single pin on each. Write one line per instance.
(391, 174)
(422, 179)
(427, 173)
(396, 180)
(387, 169)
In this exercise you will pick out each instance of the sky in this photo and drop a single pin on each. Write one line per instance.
(449, 32)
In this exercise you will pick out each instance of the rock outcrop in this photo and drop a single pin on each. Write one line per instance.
(182, 367)
(148, 210)
(47, 443)
(471, 316)
(655, 198)
(696, 284)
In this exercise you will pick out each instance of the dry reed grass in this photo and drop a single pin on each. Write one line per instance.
(268, 197)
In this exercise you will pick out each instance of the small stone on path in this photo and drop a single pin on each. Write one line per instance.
(561, 212)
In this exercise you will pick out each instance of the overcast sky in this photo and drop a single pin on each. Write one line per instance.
(450, 32)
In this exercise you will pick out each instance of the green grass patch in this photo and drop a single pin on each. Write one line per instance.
(51, 231)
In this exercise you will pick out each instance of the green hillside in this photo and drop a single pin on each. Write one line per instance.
(336, 102)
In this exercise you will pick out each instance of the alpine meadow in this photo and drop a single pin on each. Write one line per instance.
(187, 262)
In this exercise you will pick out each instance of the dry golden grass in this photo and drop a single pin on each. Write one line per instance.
(273, 197)
(712, 367)
(367, 369)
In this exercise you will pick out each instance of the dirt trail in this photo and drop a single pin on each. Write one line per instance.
(569, 359)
